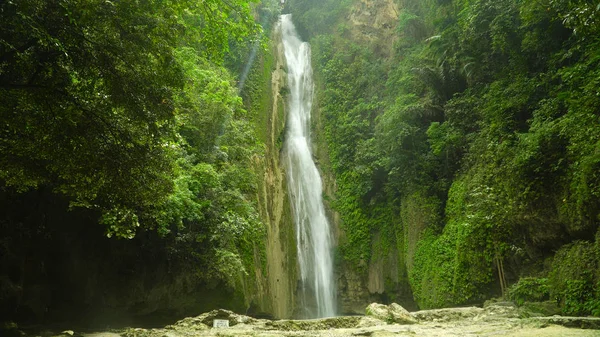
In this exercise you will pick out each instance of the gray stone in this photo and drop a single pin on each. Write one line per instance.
(539, 309)
(103, 334)
(206, 320)
(456, 322)
(67, 333)
(394, 313)
(382, 333)
(401, 315)
(341, 322)
(498, 303)
(379, 311)
(366, 321)
(570, 322)
(448, 314)
(502, 309)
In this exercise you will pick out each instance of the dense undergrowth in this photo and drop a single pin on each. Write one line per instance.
(476, 141)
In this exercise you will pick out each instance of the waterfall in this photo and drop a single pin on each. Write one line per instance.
(313, 235)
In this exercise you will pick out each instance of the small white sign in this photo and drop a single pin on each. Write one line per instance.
(221, 323)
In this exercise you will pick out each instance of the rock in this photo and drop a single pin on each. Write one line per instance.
(401, 315)
(366, 322)
(442, 322)
(394, 313)
(379, 311)
(355, 293)
(341, 322)
(569, 322)
(501, 309)
(539, 309)
(140, 332)
(104, 334)
(67, 333)
(382, 333)
(498, 303)
(205, 320)
(449, 314)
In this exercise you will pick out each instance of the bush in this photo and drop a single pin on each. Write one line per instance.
(573, 281)
(529, 289)
(580, 298)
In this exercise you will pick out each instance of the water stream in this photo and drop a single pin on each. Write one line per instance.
(313, 234)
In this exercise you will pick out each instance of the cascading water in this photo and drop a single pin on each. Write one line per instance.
(313, 235)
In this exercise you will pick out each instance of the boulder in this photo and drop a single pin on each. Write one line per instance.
(377, 310)
(401, 315)
(393, 313)
(205, 320)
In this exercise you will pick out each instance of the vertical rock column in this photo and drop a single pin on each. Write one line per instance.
(274, 205)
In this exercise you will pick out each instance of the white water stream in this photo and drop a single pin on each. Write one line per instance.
(313, 235)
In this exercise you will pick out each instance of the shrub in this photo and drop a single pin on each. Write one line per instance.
(573, 281)
(529, 289)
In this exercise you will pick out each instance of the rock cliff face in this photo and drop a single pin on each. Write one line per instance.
(274, 206)
(373, 23)
(370, 23)
(382, 279)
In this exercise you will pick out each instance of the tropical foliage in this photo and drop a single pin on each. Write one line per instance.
(476, 142)
(125, 110)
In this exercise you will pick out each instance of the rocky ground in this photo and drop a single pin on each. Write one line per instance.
(500, 319)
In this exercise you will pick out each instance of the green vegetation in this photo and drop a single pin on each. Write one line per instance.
(463, 135)
(96, 93)
(123, 116)
(475, 139)
(529, 289)
(574, 281)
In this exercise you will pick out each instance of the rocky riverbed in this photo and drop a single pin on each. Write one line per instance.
(493, 320)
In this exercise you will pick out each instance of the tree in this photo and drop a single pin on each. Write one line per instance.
(88, 93)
